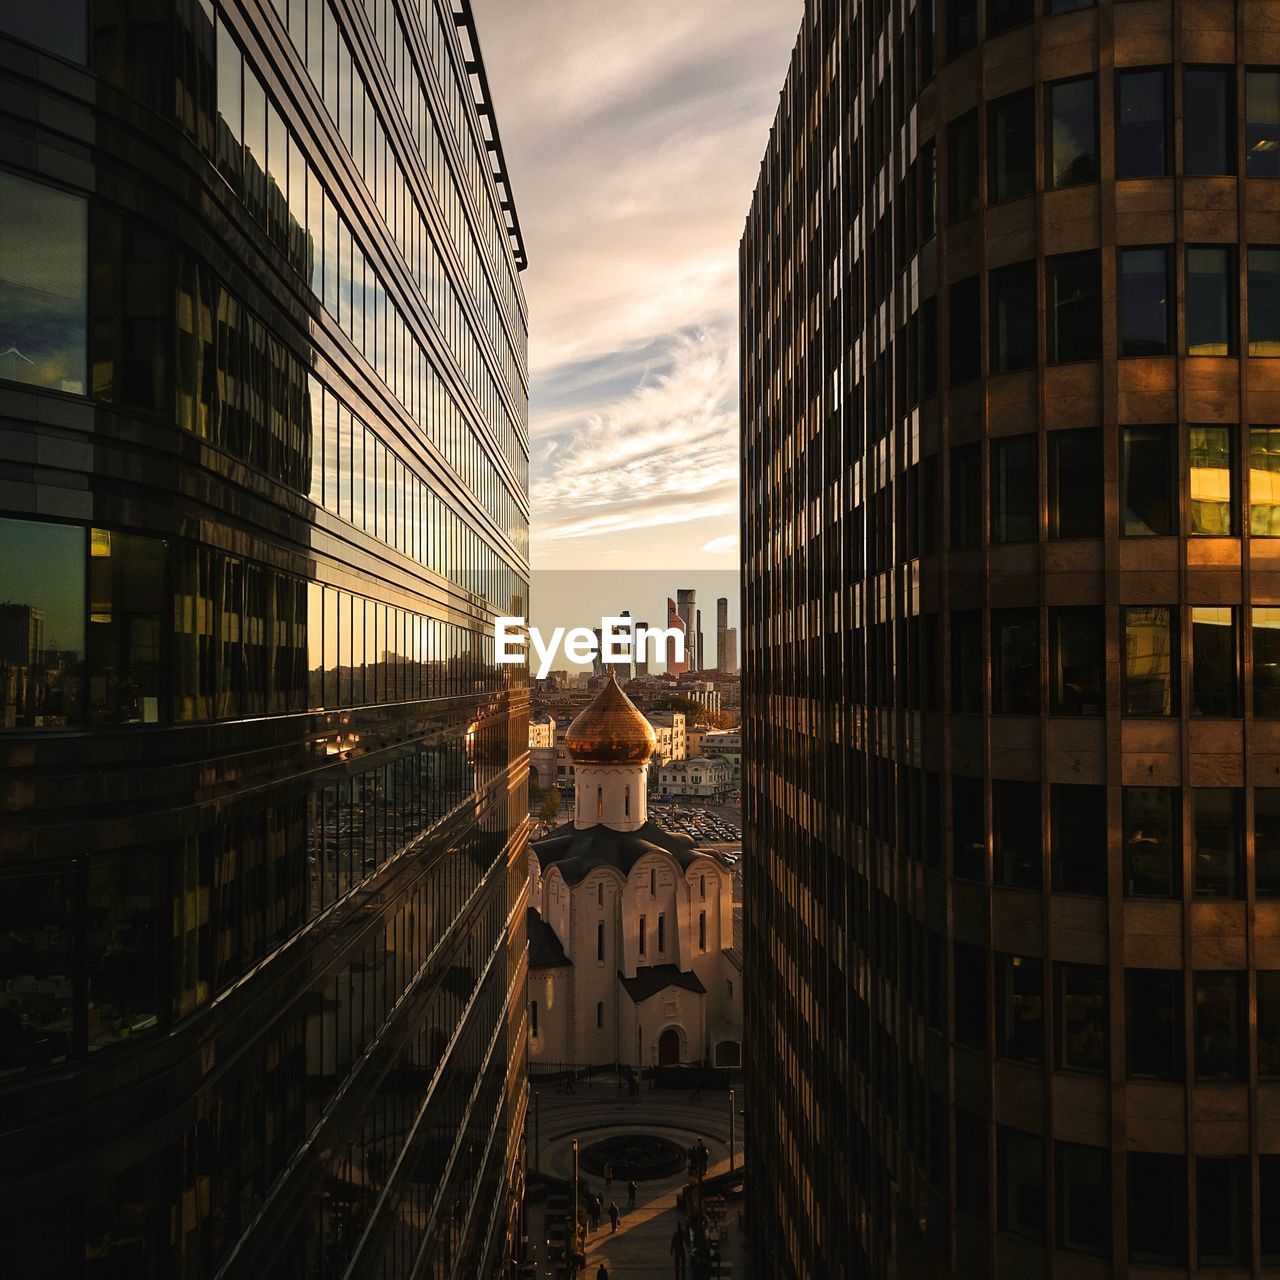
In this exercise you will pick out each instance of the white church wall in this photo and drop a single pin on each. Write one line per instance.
(552, 990)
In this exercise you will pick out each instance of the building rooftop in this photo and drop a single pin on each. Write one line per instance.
(545, 949)
(658, 977)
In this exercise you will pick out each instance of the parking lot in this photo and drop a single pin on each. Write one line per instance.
(707, 824)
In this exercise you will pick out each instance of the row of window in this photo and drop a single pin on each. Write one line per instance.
(1157, 1203)
(236, 383)
(1143, 135)
(167, 928)
(1152, 824)
(1154, 1018)
(1073, 311)
(103, 628)
(263, 162)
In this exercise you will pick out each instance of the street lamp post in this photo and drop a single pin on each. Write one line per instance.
(537, 1132)
(574, 1237)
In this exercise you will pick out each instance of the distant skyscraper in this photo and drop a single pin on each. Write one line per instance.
(722, 628)
(263, 835)
(1010, 707)
(675, 665)
(700, 641)
(730, 651)
(686, 606)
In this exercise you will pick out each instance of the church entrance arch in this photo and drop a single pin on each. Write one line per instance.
(669, 1048)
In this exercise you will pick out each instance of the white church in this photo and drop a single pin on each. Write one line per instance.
(631, 956)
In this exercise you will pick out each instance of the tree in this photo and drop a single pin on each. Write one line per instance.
(550, 809)
(694, 712)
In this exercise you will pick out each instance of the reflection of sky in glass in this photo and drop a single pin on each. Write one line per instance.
(43, 268)
(1073, 132)
(43, 565)
(1208, 302)
(1145, 323)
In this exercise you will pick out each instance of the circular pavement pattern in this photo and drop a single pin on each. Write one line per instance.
(642, 1156)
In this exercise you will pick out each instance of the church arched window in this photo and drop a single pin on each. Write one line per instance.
(599, 802)
(626, 802)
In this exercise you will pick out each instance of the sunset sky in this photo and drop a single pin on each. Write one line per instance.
(633, 134)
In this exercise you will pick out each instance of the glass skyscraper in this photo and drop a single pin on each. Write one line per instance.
(1011, 441)
(263, 488)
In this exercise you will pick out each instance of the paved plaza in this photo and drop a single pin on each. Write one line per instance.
(641, 1247)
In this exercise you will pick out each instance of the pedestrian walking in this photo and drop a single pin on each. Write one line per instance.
(614, 1215)
(608, 1176)
(679, 1251)
(602, 1273)
(631, 1194)
(597, 1212)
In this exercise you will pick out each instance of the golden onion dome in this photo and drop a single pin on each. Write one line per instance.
(610, 730)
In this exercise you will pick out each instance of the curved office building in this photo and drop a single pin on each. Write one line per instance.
(1011, 429)
(263, 478)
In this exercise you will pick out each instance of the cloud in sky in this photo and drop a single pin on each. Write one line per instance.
(633, 132)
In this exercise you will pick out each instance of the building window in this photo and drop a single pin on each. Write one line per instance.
(1221, 1024)
(1020, 1183)
(1266, 841)
(969, 828)
(1075, 484)
(928, 169)
(1078, 838)
(1154, 1024)
(600, 941)
(1211, 301)
(1224, 1212)
(1142, 123)
(1148, 470)
(1216, 855)
(1144, 302)
(966, 662)
(1211, 498)
(1077, 661)
(1011, 313)
(965, 306)
(1004, 15)
(600, 894)
(1015, 662)
(43, 285)
(966, 496)
(60, 26)
(1081, 1013)
(1269, 1023)
(1074, 308)
(1019, 1008)
(1208, 121)
(1150, 660)
(1015, 489)
(626, 802)
(702, 886)
(1071, 121)
(1269, 1208)
(1011, 147)
(962, 167)
(1015, 823)
(533, 1018)
(970, 988)
(702, 930)
(962, 26)
(1264, 482)
(42, 624)
(1213, 660)
(1264, 301)
(662, 932)
(644, 935)
(1084, 1198)
(972, 1164)
(1157, 1209)
(653, 882)
(1262, 124)
(1152, 842)
(599, 1015)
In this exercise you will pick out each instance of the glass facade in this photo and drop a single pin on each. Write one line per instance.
(1011, 696)
(264, 819)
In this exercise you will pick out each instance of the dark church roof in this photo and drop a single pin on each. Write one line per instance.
(545, 949)
(579, 852)
(649, 981)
